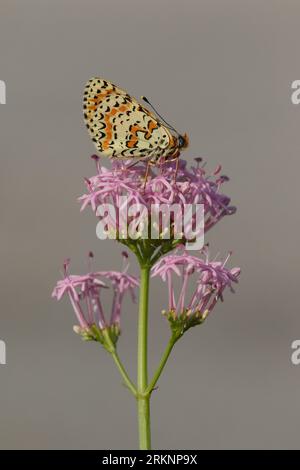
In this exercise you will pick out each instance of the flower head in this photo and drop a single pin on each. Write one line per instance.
(85, 293)
(126, 182)
(211, 279)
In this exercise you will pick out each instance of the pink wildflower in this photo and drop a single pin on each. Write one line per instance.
(211, 277)
(192, 186)
(85, 293)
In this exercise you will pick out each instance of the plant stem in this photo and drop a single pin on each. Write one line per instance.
(142, 362)
(144, 422)
(111, 348)
(124, 374)
(162, 364)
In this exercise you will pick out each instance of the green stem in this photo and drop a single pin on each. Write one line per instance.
(142, 362)
(111, 348)
(123, 373)
(144, 422)
(162, 364)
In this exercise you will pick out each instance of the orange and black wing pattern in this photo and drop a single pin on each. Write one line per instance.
(120, 126)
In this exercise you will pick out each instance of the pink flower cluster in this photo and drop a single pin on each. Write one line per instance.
(163, 186)
(212, 278)
(191, 186)
(85, 292)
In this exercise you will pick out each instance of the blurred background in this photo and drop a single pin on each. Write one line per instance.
(220, 70)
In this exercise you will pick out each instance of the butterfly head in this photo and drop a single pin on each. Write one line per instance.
(183, 141)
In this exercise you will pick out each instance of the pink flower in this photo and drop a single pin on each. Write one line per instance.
(211, 279)
(121, 283)
(85, 293)
(192, 186)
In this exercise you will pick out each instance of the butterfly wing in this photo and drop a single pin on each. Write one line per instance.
(119, 126)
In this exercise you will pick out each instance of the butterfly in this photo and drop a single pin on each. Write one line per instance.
(121, 127)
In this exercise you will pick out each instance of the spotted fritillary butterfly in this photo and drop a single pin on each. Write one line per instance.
(121, 127)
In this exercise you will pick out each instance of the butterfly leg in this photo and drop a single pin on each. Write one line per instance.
(176, 168)
(175, 157)
(131, 165)
(147, 174)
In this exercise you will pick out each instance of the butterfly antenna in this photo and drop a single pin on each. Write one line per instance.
(158, 114)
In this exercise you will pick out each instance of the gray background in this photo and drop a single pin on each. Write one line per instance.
(220, 70)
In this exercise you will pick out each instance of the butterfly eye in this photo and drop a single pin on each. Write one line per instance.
(181, 141)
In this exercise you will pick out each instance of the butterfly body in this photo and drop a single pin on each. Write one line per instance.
(121, 127)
